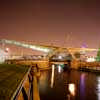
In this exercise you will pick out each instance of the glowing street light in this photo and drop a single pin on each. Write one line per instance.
(7, 50)
(59, 57)
(7, 53)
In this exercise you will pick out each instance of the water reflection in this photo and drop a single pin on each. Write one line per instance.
(98, 87)
(60, 68)
(43, 81)
(68, 85)
(52, 76)
(71, 88)
(82, 86)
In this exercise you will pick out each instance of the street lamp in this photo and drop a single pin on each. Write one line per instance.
(7, 49)
(7, 53)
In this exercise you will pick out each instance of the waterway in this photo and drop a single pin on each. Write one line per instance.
(57, 84)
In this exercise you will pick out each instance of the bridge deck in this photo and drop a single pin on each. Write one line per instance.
(10, 77)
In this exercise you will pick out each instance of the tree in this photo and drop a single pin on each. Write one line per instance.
(98, 55)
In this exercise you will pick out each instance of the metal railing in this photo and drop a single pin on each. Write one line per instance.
(24, 90)
(31, 92)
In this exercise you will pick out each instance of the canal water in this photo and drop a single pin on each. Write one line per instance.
(57, 84)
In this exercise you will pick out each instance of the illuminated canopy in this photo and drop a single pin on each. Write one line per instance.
(34, 47)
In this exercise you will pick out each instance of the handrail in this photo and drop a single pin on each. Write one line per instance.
(19, 88)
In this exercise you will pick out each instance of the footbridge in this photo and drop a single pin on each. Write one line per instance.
(49, 50)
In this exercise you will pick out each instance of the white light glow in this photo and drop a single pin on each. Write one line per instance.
(71, 88)
(52, 76)
(90, 59)
(2, 56)
(7, 49)
(35, 47)
(59, 69)
(59, 57)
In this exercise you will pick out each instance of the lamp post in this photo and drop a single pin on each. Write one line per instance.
(7, 52)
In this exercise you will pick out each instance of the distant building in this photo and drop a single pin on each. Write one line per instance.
(3, 56)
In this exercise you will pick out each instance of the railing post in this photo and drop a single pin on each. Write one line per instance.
(31, 86)
(24, 94)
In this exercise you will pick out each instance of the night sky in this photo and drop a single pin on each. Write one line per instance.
(68, 23)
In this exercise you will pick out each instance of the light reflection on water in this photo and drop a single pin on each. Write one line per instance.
(98, 87)
(69, 85)
(82, 85)
(59, 69)
(52, 76)
(71, 88)
(43, 80)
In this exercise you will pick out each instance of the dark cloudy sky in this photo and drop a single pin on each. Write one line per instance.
(60, 22)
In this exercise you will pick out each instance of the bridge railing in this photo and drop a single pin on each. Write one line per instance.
(24, 90)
